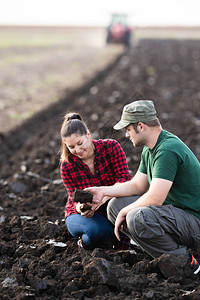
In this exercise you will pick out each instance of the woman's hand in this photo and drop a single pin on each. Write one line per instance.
(87, 213)
(78, 207)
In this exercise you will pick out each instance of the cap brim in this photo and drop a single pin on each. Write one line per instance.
(120, 125)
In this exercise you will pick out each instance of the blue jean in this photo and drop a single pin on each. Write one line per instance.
(95, 231)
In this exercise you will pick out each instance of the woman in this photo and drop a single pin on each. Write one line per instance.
(86, 162)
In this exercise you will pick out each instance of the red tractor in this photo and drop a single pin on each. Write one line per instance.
(118, 31)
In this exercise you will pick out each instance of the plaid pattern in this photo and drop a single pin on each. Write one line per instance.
(110, 167)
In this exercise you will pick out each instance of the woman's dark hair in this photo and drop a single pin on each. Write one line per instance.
(72, 124)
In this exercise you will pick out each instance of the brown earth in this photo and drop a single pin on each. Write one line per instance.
(41, 65)
(39, 259)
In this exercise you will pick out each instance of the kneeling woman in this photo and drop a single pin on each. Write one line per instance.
(86, 162)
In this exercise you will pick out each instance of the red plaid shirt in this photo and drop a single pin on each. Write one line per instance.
(110, 166)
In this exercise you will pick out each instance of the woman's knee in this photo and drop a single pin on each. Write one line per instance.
(97, 226)
(74, 225)
(99, 233)
(103, 226)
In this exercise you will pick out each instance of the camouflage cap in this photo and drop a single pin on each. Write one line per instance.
(137, 111)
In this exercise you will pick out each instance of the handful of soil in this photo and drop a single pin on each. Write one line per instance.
(85, 207)
(82, 196)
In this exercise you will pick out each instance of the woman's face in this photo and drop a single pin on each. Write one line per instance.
(80, 145)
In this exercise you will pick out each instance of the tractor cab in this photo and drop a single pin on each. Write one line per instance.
(118, 31)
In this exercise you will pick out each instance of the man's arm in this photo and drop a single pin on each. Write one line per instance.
(138, 185)
(156, 195)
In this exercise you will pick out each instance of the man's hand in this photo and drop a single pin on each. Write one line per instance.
(120, 223)
(98, 197)
(96, 206)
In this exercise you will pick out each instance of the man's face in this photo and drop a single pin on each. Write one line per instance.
(135, 136)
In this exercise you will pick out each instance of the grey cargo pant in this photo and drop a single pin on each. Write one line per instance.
(158, 229)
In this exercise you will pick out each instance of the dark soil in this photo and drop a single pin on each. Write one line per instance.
(39, 259)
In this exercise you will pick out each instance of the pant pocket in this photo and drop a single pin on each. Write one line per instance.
(145, 224)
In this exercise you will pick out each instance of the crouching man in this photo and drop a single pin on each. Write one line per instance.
(159, 208)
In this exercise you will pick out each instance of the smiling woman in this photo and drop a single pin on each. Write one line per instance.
(86, 162)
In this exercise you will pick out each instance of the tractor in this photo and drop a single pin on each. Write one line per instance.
(118, 31)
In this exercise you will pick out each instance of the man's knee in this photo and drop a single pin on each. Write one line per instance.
(116, 204)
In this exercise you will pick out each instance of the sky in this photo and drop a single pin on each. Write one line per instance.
(97, 13)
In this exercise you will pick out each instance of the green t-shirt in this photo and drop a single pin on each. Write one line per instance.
(172, 160)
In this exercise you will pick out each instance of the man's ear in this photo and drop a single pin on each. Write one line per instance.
(141, 126)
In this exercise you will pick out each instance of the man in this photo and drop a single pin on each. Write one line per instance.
(159, 208)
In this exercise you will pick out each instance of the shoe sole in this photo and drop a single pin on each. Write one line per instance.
(197, 271)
